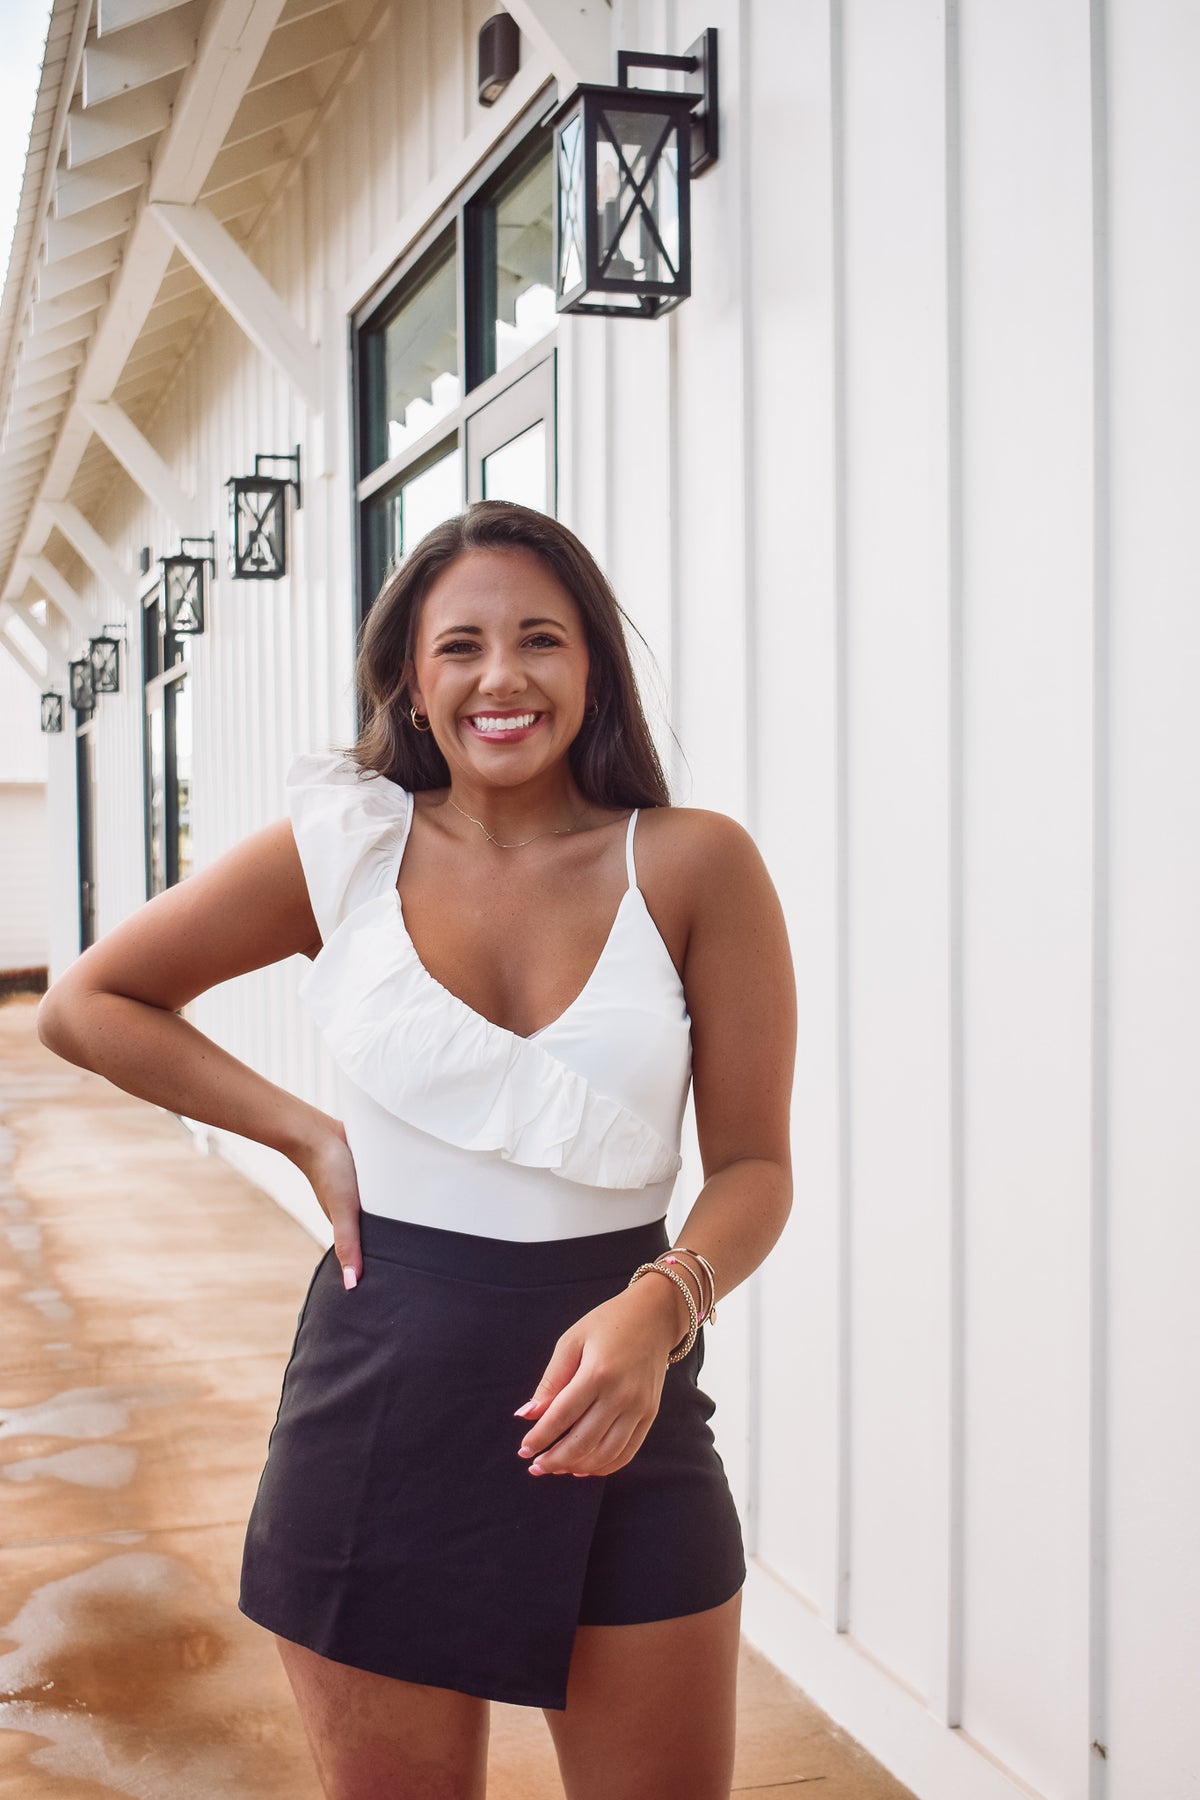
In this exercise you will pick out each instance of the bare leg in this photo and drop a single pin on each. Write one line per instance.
(373, 1738)
(651, 1709)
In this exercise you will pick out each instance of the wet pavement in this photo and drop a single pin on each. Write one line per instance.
(148, 1298)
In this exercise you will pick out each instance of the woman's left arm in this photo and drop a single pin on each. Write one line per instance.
(602, 1386)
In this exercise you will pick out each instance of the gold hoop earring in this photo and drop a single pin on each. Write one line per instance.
(420, 721)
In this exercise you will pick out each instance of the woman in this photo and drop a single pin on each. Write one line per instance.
(519, 953)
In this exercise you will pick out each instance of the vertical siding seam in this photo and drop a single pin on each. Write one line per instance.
(956, 1270)
(751, 700)
(840, 1604)
(1099, 1250)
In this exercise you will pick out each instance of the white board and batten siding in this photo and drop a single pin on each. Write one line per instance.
(901, 499)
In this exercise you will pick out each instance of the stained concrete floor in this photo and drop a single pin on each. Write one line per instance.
(148, 1297)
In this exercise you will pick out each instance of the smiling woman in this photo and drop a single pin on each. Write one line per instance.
(521, 956)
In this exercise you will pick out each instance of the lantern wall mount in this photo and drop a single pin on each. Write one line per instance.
(624, 158)
(258, 519)
(52, 711)
(105, 652)
(183, 584)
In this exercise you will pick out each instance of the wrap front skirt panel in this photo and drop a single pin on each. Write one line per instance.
(395, 1527)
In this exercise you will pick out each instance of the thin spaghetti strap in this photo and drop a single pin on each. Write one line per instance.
(629, 863)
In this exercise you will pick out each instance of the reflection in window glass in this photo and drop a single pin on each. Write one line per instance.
(157, 777)
(399, 518)
(411, 363)
(523, 309)
(517, 471)
(182, 721)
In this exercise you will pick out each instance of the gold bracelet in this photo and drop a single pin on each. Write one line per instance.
(708, 1315)
(656, 1268)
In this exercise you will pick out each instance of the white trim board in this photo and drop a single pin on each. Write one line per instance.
(884, 1716)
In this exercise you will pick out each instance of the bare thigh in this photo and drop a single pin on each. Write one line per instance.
(651, 1709)
(373, 1738)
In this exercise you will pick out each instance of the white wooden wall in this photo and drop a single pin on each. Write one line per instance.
(902, 499)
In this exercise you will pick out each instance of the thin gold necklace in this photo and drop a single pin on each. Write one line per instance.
(557, 831)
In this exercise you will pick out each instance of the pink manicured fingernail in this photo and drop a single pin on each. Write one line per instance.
(523, 1412)
(349, 1279)
(526, 1453)
(534, 1470)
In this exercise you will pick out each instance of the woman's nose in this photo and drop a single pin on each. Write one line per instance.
(502, 673)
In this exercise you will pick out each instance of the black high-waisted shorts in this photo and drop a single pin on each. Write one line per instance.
(395, 1527)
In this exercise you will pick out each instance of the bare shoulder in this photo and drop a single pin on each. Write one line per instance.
(706, 849)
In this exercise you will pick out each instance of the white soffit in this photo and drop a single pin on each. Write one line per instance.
(141, 102)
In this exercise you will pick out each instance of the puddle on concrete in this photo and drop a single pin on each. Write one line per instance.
(91, 1412)
(85, 1465)
(125, 1669)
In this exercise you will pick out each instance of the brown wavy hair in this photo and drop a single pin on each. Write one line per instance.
(613, 758)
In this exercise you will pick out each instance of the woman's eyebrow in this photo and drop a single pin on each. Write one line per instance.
(477, 630)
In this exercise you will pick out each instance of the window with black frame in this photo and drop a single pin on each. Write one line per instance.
(168, 750)
(454, 364)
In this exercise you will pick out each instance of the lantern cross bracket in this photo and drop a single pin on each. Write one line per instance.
(186, 551)
(292, 481)
(699, 59)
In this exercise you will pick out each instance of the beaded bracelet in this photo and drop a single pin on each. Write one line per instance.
(708, 1314)
(656, 1268)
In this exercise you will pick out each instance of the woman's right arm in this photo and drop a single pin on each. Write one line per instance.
(115, 1011)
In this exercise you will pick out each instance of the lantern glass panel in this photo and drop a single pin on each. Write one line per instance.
(82, 691)
(183, 578)
(52, 712)
(106, 667)
(637, 196)
(259, 527)
(571, 257)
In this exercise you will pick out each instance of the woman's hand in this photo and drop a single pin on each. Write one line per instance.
(326, 1161)
(602, 1386)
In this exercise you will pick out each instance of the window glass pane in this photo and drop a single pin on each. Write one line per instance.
(182, 722)
(516, 246)
(157, 779)
(400, 517)
(410, 361)
(517, 471)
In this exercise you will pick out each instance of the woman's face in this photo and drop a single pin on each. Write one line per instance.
(501, 666)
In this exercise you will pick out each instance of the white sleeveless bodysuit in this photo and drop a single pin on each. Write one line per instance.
(452, 1120)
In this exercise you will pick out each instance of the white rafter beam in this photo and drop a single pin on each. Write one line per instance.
(75, 610)
(246, 295)
(110, 219)
(121, 61)
(573, 36)
(44, 633)
(36, 675)
(82, 535)
(138, 457)
(118, 123)
(123, 172)
(116, 15)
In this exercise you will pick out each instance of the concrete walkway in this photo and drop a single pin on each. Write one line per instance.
(148, 1297)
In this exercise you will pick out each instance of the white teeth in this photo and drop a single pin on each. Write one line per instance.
(510, 722)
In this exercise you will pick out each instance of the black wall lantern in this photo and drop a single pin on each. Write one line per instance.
(104, 652)
(83, 694)
(258, 519)
(52, 711)
(623, 162)
(183, 585)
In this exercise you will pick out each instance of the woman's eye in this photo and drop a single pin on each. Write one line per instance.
(543, 641)
(455, 646)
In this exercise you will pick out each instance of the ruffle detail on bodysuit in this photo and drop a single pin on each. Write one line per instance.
(431, 1060)
(349, 827)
